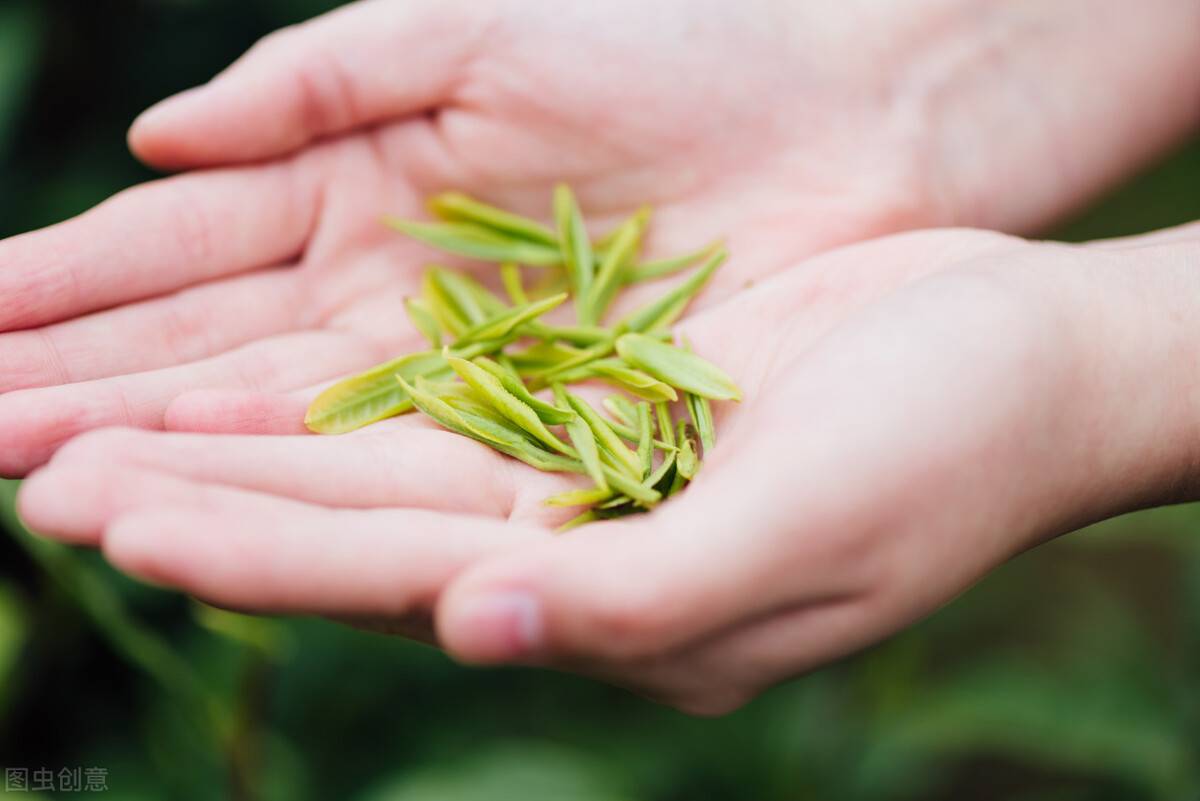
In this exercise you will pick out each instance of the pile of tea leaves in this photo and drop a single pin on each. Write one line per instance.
(487, 356)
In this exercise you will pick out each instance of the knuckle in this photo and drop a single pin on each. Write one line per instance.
(326, 95)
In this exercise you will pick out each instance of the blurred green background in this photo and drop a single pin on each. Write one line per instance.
(1071, 673)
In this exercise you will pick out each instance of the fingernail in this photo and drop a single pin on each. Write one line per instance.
(501, 626)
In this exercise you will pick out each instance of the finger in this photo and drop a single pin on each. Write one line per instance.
(411, 466)
(290, 557)
(35, 422)
(192, 324)
(156, 238)
(626, 591)
(74, 502)
(232, 411)
(354, 67)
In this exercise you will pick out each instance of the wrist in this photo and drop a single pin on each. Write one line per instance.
(1022, 111)
(1134, 323)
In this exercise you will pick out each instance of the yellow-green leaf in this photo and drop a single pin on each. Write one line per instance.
(677, 367)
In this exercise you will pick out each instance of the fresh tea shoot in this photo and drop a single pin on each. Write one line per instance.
(488, 356)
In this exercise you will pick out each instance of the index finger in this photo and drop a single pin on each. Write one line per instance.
(156, 238)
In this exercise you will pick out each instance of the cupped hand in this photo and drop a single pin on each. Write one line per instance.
(786, 126)
(917, 410)
(277, 275)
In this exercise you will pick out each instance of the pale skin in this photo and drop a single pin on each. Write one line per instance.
(906, 427)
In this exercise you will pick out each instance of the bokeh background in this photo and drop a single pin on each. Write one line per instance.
(1071, 673)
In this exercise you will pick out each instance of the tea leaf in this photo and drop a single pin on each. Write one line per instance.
(584, 440)
(372, 395)
(664, 310)
(476, 242)
(442, 306)
(607, 439)
(541, 356)
(506, 322)
(660, 479)
(552, 281)
(579, 497)
(547, 413)
(622, 409)
(701, 413)
(611, 274)
(653, 270)
(577, 256)
(487, 430)
(575, 334)
(510, 276)
(641, 218)
(581, 357)
(666, 430)
(575, 522)
(686, 460)
(634, 488)
(507, 404)
(422, 318)
(458, 207)
(475, 302)
(645, 446)
(613, 371)
(677, 367)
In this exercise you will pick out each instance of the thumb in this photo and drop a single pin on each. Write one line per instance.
(357, 66)
(615, 591)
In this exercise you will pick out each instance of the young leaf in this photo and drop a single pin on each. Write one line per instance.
(476, 242)
(372, 395)
(653, 270)
(580, 519)
(507, 404)
(423, 319)
(662, 476)
(487, 430)
(542, 378)
(634, 488)
(508, 321)
(576, 256)
(686, 460)
(664, 310)
(677, 367)
(701, 413)
(458, 207)
(584, 441)
(611, 274)
(641, 218)
(510, 276)
(666, 430)
(645, 445)
(541, 356)
(548, 413)
(613, 371)
(621, 409)
(606, 437)
(579, 497)
(473, 301)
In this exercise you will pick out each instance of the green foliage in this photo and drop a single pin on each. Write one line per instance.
(1068, 674)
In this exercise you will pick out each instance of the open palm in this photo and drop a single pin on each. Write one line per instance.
(809, 531)
(274, 274)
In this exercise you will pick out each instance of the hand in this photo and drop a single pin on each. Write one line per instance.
(192, 302)
(892, 447)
